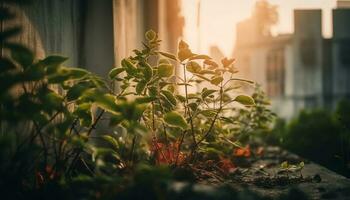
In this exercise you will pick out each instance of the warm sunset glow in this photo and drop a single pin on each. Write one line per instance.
(218, 19)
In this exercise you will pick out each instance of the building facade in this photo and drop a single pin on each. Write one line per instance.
(302, 69)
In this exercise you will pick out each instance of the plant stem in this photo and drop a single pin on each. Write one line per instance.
(79, 150)
(131, 156)
(187, 108)
(180, 144)
(214, 120)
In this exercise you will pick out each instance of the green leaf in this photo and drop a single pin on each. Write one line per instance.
(77, 90)
(129, 67)
(111, 140)
(141, 100)
(181, 98)
(151, 35)
(6, 65)
(165, 70)
(206, 92)
(245, 100)
(147, 72)
(211, 63)
(193, 67)
(114, 72)
(183, 45)
(152, 91)
(102, 100)
(107, 102)
(202, 77)
(77, 73)
(20, 54)
(193, 106)
(206, 71)
(175, 119)
(140, 87)
(242, 80)
(65, 74)
(284, 165)
(168, 55)
(200, 57)
(169, 96)
(227, 62)
(53, 60)
(183, 54)
(163, 61)
(216, 80)
(83, 112)
(208, 113)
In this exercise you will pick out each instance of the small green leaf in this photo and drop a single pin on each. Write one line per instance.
(129, 67)
(206, 92)
(111, 140)
(168, 55)
(211, 63)
(200, 57)
(165, 70)
(83, 112)
(227, 62)
(65, 74)
(175, 119)
(147, 72)
(169, 96)
(202, 77)
(183, 45)
(181, 98)
(208, 113)
(114, 72)
(53, 60)
(140, 87)
(151, 35)
(77, 90)
(216, 80)
(284, 165)
(152, 91)
(183, 54)
(193, 106)
(245, 100)
(77, 73)
(163, 61)
(193, 67)
(20, 54)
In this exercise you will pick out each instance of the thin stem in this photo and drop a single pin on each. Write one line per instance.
(131, 156)
(187, 108)
(214, 120)
(180, 145)
(79, 151)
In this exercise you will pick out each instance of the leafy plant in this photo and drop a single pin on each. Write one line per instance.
(290, 168)
(173, 114)
(49, 114)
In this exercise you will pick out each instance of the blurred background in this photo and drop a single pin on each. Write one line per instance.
(297, 50)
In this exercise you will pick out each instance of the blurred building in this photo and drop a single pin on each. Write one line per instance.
(95, 34)
(301, 69)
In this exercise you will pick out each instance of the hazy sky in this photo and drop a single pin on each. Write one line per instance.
(219, 18)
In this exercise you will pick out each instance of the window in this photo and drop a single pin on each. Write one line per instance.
(308, 51)
(275, 73)
(344, 52)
